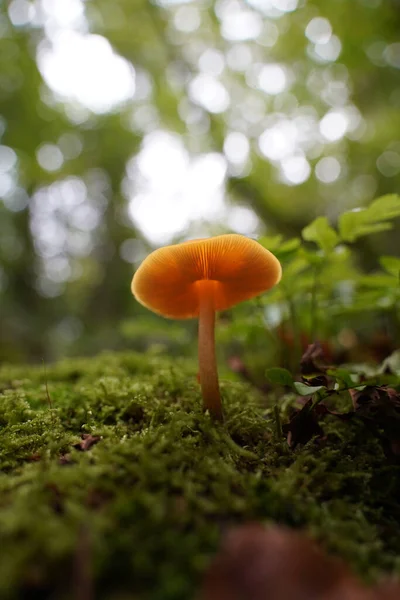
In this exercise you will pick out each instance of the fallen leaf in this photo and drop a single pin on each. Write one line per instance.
(65, 459)
(379, 408)
(34, 457)
(313, 365)
(387, 591)
(87, 442)
(302, 426)
(275, 563)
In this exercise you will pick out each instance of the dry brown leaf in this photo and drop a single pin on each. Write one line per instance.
(274, 563)
(87, 442)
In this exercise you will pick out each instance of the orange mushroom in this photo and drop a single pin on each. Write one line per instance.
(197, 278)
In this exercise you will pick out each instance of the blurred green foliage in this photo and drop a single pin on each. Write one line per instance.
(312, 88)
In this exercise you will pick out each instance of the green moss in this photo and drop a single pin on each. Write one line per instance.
(147, 504)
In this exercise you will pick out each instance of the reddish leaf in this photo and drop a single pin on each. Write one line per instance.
(379, 408)
(303, 426)
(65, 459)
(256, 563)
(387, 591)
(87, 442)
(312, 365)
(34, 457)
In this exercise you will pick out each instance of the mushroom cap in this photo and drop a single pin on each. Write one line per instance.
(169, 280)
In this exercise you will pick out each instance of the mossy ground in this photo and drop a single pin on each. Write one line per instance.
(140, 513)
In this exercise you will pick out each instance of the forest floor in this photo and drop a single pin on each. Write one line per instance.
(114, 484)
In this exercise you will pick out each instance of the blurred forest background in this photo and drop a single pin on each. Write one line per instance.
(129, 124)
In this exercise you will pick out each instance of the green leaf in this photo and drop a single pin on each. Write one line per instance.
(320, 232)
(307, 390)
(351, 227)
(385, 208)
(296, 266)
(290, 245)
(373, 299)
(391, 264)
(316, 259)
(288, 249)
(378, 280)
(373, 219)
(271, 243)
(279, 376)
(343, 375)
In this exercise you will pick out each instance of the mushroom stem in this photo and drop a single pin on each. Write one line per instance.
(207, 359)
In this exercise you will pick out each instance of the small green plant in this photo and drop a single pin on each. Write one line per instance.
(324, 293)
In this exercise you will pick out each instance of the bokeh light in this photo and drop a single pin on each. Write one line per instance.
(85, 68)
